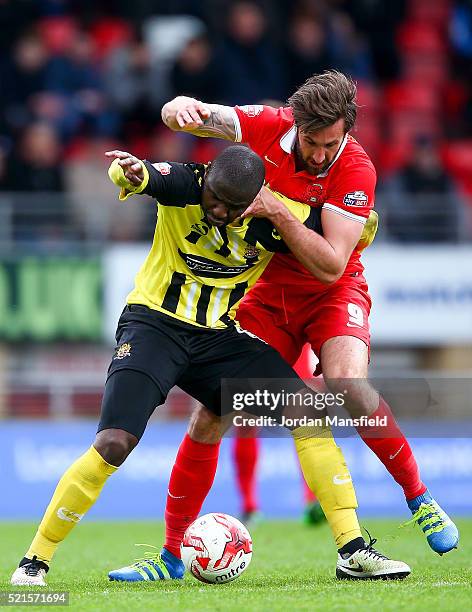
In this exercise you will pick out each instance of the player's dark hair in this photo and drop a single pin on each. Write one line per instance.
(323, 99)
(240, 171)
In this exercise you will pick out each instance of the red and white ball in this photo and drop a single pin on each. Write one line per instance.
(216, 548)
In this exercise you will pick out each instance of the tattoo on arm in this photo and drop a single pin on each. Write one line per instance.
(220, 123)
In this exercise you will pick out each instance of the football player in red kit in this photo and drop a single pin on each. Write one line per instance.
(310, 156)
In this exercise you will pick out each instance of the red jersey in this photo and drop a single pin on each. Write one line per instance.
(346, 187)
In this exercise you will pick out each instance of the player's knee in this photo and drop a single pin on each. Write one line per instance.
(359, 397)
(345, 382)
(343, 372)
(114, 445)
(205, 427)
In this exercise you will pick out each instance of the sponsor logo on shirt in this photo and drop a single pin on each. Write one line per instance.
(207, 268)
(356, 198)
(252, 110)
(163, 167)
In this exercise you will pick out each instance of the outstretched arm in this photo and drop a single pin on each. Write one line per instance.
(170, 183)
(190, 115)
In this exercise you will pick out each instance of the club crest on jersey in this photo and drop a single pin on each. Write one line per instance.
(252, 110)
(251, 252)
(163, 167)
(122, 351)
(356, 198)
(314, 193)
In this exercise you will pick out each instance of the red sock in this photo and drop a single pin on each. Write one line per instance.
(394, 451)
(245, 455)
(191, 479)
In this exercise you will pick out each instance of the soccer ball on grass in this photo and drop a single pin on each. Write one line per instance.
(216, 548)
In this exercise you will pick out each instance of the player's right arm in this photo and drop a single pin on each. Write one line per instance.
(185, 114)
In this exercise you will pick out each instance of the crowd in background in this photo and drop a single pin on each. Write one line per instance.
(78, 77)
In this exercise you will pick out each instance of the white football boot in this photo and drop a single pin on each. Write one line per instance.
(30, 573)
(368, 564)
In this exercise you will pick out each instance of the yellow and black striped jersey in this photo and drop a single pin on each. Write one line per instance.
(196, 272)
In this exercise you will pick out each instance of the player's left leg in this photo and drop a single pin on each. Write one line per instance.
(81, 485)
(345, 363)
(149, 357)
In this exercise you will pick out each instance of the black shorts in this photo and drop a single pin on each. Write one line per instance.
(171, 352)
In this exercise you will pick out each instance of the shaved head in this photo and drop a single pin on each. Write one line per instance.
(237, 175)
(232, 182)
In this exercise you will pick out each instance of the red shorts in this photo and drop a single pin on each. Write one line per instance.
(289, 316)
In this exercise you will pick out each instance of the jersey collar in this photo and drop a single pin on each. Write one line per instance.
(287, 143)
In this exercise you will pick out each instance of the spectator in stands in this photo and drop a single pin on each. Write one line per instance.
(36, 164)
(422, 204)
(461, 32)
(251, 62)
(350, 52)
(75, 80)
(133, 84)
(378, 21)
(307, 50)
(22, 74)
(461, 41)
(13, 21)
(196, 72)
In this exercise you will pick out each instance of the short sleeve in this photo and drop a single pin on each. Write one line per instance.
(255, 124)
(174, 184)
(352, 194)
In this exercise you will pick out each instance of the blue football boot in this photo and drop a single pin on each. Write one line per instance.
(161, 566)
(440, 531)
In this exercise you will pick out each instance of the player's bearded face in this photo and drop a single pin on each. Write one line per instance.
(316, 150)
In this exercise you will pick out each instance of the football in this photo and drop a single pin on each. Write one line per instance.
(216, 548)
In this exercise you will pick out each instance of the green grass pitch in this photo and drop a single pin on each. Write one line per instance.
(292, 569)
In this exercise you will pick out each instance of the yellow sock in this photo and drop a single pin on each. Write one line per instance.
(327, 475)
(76, 492)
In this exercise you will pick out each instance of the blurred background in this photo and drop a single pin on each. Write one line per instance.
(78, 78)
